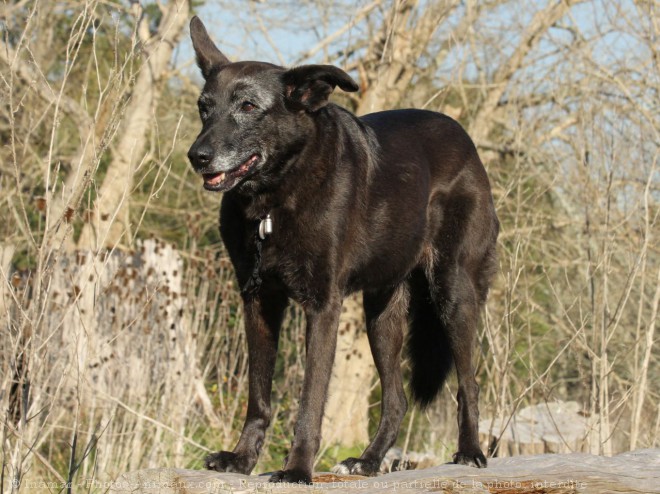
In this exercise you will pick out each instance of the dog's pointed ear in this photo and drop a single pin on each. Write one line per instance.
(208, 55)
(308, 87)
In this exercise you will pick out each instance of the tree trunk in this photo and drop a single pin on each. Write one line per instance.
(109, 222)
(346, 420)
(391, 61)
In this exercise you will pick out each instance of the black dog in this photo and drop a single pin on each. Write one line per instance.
(318, 204)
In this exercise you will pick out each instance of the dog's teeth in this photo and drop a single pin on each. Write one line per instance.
(214, 179)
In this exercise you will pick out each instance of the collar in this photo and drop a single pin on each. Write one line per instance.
(264, 229)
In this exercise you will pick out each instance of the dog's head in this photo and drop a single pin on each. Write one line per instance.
(255, 115)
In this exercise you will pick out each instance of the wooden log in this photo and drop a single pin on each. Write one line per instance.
(634, 472)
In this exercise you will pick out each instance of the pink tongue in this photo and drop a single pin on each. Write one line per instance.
(214, 178)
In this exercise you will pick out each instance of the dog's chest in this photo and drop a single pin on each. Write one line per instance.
(300, 261)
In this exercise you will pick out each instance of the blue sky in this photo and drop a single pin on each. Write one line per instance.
(236, 26)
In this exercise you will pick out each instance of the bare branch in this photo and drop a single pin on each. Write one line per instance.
(356, 19)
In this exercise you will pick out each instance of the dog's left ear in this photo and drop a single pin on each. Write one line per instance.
(308, 87)
(208, 55)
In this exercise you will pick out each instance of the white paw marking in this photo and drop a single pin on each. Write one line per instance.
(340, 469)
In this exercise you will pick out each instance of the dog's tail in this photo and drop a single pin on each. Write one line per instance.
(428, 345)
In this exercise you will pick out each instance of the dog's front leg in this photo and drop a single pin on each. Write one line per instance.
(321, 341)
(263, 318)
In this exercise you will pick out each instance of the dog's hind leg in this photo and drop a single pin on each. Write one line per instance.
(458, 305)
(386, 314)
(458, 272)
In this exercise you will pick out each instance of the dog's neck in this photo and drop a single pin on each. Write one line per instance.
(285, 195)
(309, 165)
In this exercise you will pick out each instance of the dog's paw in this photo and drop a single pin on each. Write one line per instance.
(293, 476)
(226, 461)
(473, 459)
(355, 466)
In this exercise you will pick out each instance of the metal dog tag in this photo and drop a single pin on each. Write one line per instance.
(265, 227)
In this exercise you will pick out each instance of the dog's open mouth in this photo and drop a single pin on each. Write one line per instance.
(226, 180)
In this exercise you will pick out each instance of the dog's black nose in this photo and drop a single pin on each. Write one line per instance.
(200, 155)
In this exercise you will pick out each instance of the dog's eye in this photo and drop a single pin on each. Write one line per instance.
(247, 106)
(204, 109)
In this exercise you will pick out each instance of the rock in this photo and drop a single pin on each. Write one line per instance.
(554, 427)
